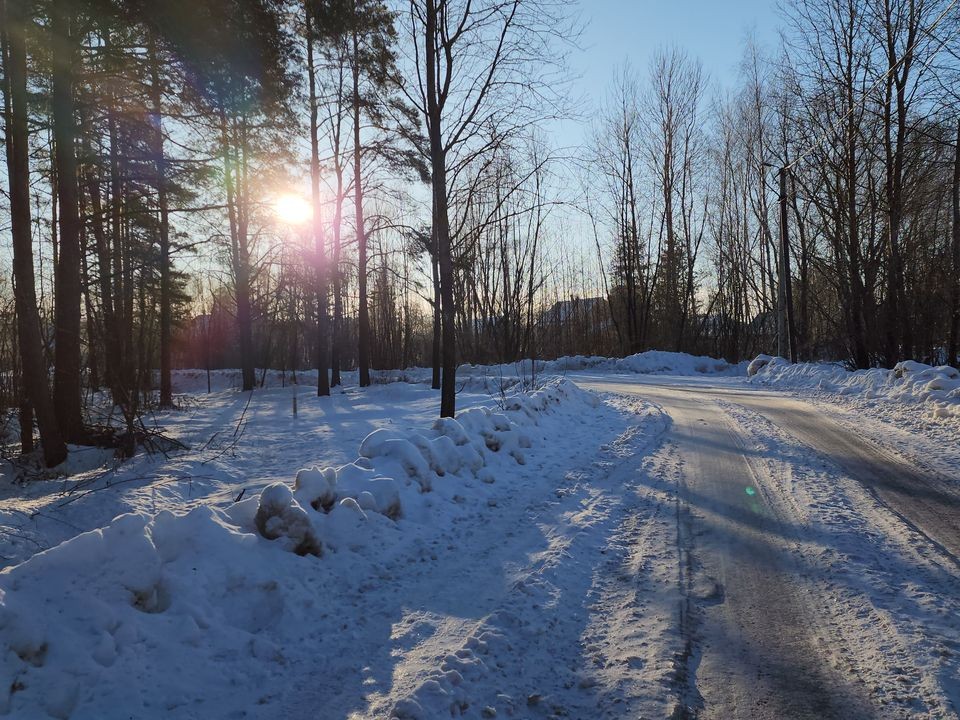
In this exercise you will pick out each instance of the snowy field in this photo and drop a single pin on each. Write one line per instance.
(566, 548)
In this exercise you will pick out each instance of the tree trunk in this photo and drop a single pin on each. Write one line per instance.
(955, 256)
(110, 331)
(860, 352)
(435, 344)
(166, 290)
(448, 387)
(337, 342)
(243, 276)
(93, 367)
(238, 255)
(803, 326)
(123, 377)
(363, 311)
(26, 426)
(323, 339)
(29, 338)
(67, 280)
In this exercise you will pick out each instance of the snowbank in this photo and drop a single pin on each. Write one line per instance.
(651, 362)
(488, 378)
(397, 468)
(496, 379)
(198, 614)
(910, 382)
(671, 363)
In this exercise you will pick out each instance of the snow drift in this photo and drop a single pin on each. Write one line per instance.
(488, 378)
(162, 615)
(652, 362)
(909, 382)
(509, 376)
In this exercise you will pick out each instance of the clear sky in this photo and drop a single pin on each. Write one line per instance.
(712, 30)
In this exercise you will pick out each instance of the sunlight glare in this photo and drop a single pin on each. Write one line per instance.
(292, 209)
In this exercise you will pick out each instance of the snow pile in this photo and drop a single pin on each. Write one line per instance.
(201, 614)
(909, 382)
(759, 363)
(279, 516)
(659, 362)
(70, 614)
(651, 362)
(396, 468)
(495, 379)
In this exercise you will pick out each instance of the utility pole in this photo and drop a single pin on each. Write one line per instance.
(954, 340)
(786, 339)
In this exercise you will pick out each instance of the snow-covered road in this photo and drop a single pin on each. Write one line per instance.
(818, 569)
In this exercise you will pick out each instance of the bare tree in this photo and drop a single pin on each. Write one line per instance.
(672, 113)
(477, 65)
(954, 332)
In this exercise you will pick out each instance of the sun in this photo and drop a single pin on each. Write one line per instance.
(292, 209)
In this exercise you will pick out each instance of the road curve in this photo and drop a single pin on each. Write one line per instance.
(756, 644)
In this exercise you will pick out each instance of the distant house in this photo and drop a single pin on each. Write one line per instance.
(565, 310)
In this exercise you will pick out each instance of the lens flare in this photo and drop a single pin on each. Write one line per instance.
(292, 209)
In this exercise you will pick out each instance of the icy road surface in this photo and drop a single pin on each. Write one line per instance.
(818, 569)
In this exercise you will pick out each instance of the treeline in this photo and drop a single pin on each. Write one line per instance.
(152, 151)
(859, 110)
(363, 184)
(126, 113)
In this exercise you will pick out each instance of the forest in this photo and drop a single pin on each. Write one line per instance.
(375, 184)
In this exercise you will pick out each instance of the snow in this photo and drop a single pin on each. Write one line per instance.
(486, 379)
(757, 364)
(935, 389)
(825, 564)
(214, 611)
(363, 559)
(280, 516)
(236, 442)
(875, 579)
(651, 362)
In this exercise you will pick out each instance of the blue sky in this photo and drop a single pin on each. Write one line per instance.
(712, 30)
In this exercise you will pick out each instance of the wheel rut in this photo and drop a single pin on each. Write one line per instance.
(750, 639)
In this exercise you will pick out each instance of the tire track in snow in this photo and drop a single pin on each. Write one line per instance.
(924, 502)
(892, 601)
(754, 643)
(537, 652)
(633, 639)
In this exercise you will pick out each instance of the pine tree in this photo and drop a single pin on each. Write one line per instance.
(34, 367)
